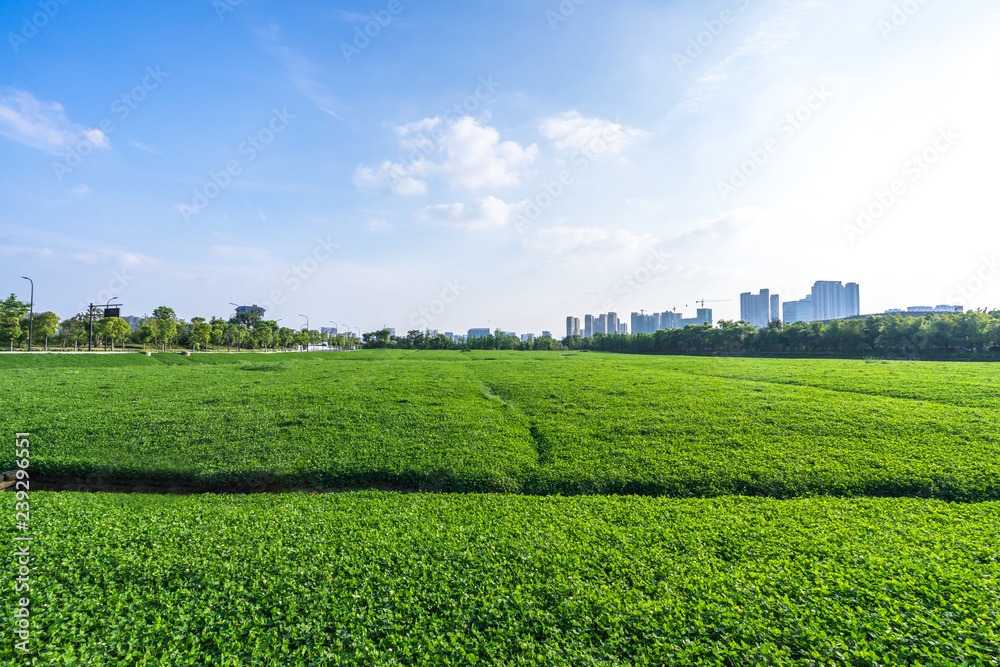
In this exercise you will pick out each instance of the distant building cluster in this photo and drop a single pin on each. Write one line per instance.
(641, 322)
(760, 309)
(652, 322)
(828, 300)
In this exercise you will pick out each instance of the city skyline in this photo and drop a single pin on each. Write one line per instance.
(303, 171)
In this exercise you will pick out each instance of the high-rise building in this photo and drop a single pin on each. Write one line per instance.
(572, 326)
(668, 320)
(755, 309)
(852, 300)
(612, 323)
(704, 316)
(588, 326)
(775, 310)
(642, 323)
(828, 300)
(546, 334)
(479, 333)
(798, 311)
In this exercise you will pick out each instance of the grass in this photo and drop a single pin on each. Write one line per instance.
(435, 579)
(538, 423)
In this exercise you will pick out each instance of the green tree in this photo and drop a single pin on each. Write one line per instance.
(115, 328)
(145, 333)
(164, 324)
(46, 325)
(201, 332)
(11, 312)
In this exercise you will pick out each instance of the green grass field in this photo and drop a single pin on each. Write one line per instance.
(513, 422)
(623, 534)
(378, 578)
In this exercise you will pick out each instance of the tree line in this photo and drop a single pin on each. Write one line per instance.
(929, 336)
(418, 340)
(163, 330)
(926, 337)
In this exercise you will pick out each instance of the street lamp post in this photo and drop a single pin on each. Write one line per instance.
(106, 307)
(31, 312)
(307, 330)
(230, 332)
(336, 331)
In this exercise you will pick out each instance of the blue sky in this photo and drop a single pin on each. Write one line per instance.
(496, 163)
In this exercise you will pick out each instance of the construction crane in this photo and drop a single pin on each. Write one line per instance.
(704, 301)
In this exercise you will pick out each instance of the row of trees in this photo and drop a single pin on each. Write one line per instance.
(164, 330)
(892, 335)
(417, 340)
(930, 336)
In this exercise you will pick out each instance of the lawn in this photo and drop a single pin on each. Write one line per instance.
(375, 578)
(540, 423)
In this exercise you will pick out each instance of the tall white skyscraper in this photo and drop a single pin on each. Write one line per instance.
(829, 300)
(613, 323)
(572, 326)
(755, 309)
(852, 300)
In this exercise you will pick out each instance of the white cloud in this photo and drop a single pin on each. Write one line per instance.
(563, 240)
(244, 253)
(378, 226)
(771, 36)
(477, 157)
(301, 71)
(462, 152)
(144, 147)
(575, 133)
(43, 125)
(483, 213)
(81, 190)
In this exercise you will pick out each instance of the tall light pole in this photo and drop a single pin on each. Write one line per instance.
(229, 332)
(335, 331)
(307, 330)
(106, 307)
(31, 311)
